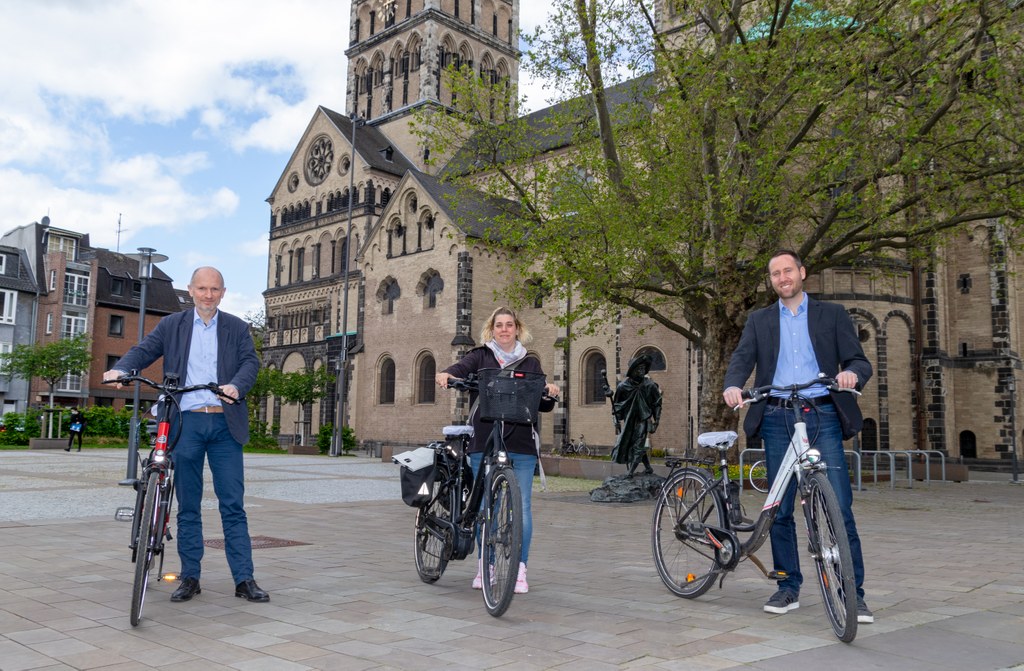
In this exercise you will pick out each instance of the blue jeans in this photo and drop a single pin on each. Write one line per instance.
(825, 434)
(206, 437)
(524, 466)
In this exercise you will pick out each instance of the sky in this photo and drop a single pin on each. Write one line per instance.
(167, 124)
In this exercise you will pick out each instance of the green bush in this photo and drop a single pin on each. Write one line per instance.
(348, 440)
(324, 437)
(259, 438)
(18, 428)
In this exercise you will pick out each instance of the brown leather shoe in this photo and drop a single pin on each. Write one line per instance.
(250, 591)
(188, 589)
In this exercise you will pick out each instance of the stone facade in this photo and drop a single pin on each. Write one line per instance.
(942, 337)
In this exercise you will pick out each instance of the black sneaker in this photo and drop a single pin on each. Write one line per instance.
(864, 614)
(782, 602)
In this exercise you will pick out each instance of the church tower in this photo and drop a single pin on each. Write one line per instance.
(398, 50)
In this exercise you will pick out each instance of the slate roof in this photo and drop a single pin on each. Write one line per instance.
(17, 275)
(473, 210)
(160, 293)
(371, 144)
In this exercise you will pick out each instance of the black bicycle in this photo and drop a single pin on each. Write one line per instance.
(458, 503)
(154, 489)
(697, 517)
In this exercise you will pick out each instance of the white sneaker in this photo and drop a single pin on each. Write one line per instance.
(521, 585)
(478, 581)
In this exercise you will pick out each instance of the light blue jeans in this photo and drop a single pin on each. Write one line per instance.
(524, 466)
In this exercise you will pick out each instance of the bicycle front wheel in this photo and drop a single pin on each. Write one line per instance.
(502, 541)
(150, 530)
(830, 547)
(683, 551)
(433, 544)
(758, 476)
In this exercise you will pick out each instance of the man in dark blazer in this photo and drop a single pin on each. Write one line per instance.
(206, 345)
(791, 342)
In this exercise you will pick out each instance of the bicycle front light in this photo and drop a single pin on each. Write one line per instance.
(159, 456)
(812, 457)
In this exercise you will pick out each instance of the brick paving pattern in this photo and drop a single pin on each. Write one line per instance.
(945, 580)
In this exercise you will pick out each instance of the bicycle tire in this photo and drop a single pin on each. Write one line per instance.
(833, 560)
(148, 540)
(758, 476)
(585, 450)
(684, 557)
(502, 541)
(433, 544)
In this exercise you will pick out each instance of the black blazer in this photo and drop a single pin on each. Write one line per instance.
(836, 347)
(237, 362)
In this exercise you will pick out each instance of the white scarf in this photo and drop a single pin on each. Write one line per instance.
(504, 358)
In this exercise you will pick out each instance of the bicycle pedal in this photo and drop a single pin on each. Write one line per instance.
(777, 575)
(124, 514)
(169, 536)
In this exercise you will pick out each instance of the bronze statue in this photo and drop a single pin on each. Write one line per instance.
(636, 407)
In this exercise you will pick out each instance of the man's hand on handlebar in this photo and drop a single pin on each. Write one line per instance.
(733, 397)
(230, 391)
(112, 375)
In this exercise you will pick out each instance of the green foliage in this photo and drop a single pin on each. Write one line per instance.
(49, 361)
(867, 139)
(259, 437)
(324, 437)
(303, 386)
(104, 421)
(18, 428)
(348, 440)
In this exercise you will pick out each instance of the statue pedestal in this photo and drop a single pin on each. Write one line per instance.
(623, 489)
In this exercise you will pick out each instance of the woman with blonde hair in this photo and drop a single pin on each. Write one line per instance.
(502, 339)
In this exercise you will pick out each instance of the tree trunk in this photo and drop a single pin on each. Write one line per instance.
(719, 342)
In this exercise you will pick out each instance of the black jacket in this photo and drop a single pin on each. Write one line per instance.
(518, 437)
(836, 347)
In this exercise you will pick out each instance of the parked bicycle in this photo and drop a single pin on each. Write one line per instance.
(697, 517)
(154, 488)
(456, 502)
(578, 448)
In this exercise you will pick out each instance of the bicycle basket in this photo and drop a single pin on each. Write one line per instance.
(510, 395)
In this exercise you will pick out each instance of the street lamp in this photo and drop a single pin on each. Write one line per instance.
(339, 435)
(146, 257)
(1012, 388)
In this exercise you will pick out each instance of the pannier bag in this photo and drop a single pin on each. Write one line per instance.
(417, 475)
(508, 395)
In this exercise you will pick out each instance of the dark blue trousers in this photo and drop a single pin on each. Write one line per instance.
(206, 437)
(825, 434)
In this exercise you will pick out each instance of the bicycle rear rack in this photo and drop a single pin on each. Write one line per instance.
(124, 514)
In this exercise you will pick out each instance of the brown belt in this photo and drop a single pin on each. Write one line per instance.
(208, 409)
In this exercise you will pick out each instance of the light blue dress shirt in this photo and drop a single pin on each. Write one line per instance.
(202, 363)
(797, 363)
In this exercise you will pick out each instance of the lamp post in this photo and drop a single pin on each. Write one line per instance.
(146, 257)
(1012, 388)
(339, 435)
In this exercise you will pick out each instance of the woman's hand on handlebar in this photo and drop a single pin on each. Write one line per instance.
(442, 379)
(552, 390)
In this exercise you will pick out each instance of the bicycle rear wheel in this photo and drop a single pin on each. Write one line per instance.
(502, 541)
(150, 530)
(683, 552)
(758, 476)
(433, 545)
(833, 561)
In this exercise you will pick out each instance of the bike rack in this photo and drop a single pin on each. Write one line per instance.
(849, 453)
(892, 455)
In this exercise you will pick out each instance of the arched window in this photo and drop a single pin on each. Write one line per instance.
(594, 372)
(386, 382)
(387, 294)
(430, 286)
(425, 371)
(869, 435)
(657, 358)
(968, 445)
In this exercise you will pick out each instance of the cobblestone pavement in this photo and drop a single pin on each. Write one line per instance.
(944, 576)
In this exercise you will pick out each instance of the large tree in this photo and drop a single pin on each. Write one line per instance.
(853, 132)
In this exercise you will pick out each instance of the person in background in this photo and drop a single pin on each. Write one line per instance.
(503, 337)
(76, 427)
(205, 345)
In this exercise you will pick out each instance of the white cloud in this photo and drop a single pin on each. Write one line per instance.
(256, 247)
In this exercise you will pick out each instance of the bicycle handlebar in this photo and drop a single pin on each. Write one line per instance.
(757, 394)
(173, 387)
(472, 383)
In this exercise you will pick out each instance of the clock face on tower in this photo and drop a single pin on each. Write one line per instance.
(319, 159)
